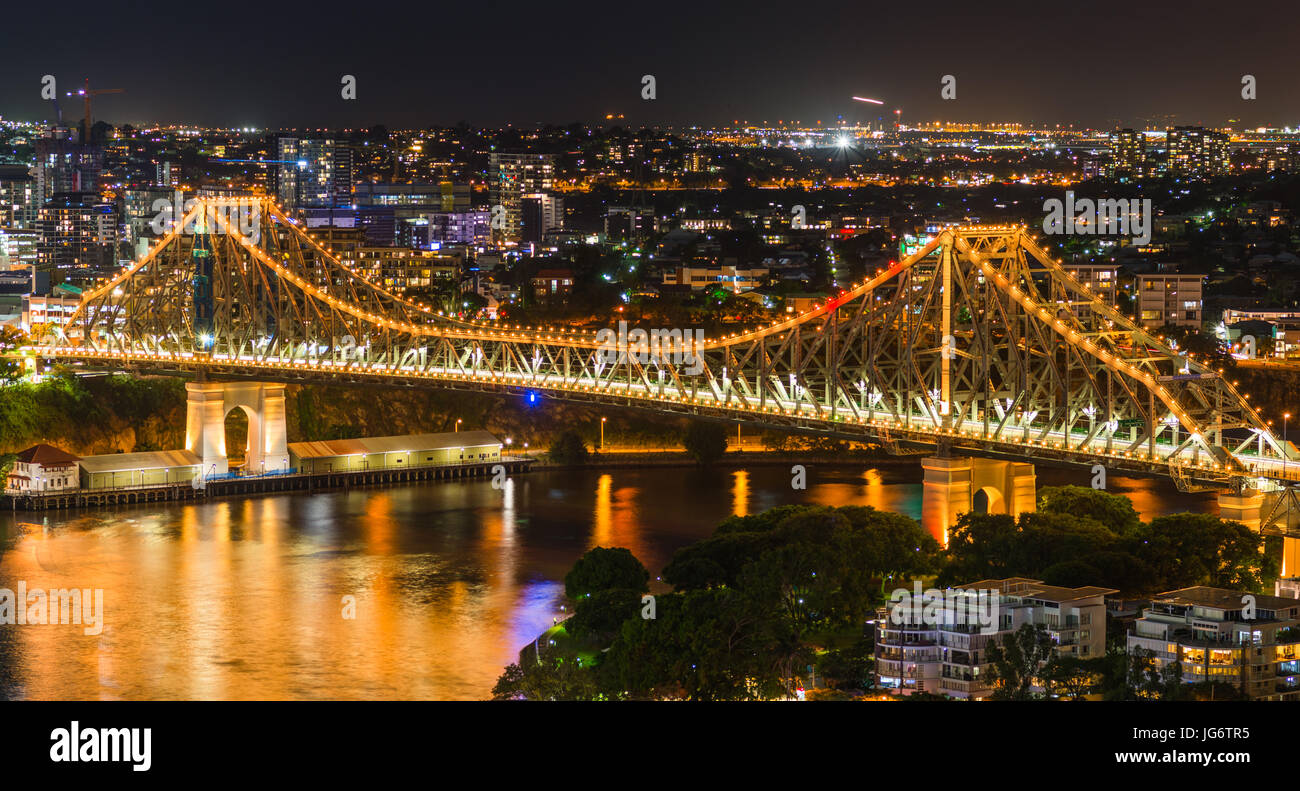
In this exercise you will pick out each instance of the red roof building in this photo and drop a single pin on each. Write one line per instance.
(43, 468)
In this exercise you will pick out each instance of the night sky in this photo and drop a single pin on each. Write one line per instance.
(1098, 64)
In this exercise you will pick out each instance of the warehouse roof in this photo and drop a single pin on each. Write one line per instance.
(399, 444)
(145, 460)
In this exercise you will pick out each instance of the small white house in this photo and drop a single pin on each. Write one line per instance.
(43, 468)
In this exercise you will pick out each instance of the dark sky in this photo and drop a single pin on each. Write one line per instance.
(430, 63)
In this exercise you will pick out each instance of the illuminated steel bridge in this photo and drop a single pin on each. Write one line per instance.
(980, 342)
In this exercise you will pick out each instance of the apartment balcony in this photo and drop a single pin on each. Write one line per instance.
(954, 686)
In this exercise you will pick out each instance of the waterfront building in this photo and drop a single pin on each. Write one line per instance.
(394, 453)
(145, 468)
(43, 468)
(1250, 641)
(949, 658)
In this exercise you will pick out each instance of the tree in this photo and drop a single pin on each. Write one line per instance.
(603, 569)
(11, 368)
(1146, 681)
(1071, 677)
(1200, 549)
(552, 677)
(849, 668)
(705, 441)
(716, 644)
(1112, 510)
(598, 616)
(569, 449)
(1016, 659)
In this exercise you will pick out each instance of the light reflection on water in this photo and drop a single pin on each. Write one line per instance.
(244, 598)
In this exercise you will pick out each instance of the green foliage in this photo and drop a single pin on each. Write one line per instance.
(602, 569)
(600, 615)
(850, 668)
(1062, 547)
(716, 644)
(11, 367)
(552, 677)
(568, 448)
(1114, 511)
(1146, 681)
(1016, 660)
(93, 414)
(1201, 549)
(1071, 677)
(705, 441)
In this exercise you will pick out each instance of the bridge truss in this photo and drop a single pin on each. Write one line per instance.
(979, 341)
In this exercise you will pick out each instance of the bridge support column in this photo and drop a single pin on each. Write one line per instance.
(205, 424)
(956, 485)
(1245, 508)
(945, 494)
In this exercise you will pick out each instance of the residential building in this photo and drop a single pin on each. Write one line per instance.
(1169, 299)
(77, 233)
(731, 277)
(313, 172)
(1128, 154)
(1101, 280)
(44, 312)
(1196, 151)
(43, 468)
(511, 176)
(19, 197)
(950, 658)
(1248, 641)
(399, 269)
(552, 285)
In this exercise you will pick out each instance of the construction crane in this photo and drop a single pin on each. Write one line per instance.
(86, 93)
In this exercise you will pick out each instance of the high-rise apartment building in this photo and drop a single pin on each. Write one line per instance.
(65, 165)
(511, 177)
(313, 172)
(1196, 152)
(78, 236)
(19, 199)
(1128, 154)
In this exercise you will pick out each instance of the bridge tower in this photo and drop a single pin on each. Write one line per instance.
(208, 404)
(954, 485)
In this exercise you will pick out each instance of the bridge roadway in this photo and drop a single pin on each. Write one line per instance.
(918, 428)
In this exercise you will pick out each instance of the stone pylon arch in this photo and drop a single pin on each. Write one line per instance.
(205, 424)
(950, 485)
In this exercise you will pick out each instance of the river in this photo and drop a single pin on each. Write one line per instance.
(244, 599)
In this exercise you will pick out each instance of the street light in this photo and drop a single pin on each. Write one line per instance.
(1285, 454)
(602, 433)
(458, 425)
